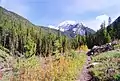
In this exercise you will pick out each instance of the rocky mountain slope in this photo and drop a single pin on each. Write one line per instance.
(72, 28)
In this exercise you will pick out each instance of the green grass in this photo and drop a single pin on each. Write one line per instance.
(109, 67)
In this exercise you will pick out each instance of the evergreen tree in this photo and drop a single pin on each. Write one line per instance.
(109, 21)
(30, 47)
(108, 38)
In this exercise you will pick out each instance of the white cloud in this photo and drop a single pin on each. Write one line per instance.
(16, 6)
(102, 18)
(96, 22)
(93, 24)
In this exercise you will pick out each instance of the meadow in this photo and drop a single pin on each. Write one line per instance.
(108, 67)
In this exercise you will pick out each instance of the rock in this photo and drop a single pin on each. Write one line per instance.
(118, 49)
(17, 53)
(95, 47)
(111, 71)
(5, 69)
(99, 49)
(92, 65)
(114, 43)
(89, 53)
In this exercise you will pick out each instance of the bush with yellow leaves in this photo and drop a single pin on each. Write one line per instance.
(64, 68)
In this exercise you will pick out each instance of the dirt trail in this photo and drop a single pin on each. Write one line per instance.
(85, 76)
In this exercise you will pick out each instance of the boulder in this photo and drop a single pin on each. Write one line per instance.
(99, 49)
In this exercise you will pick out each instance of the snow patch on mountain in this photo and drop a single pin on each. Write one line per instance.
(66, 25)
(54, 27)
(72, 28)
(67, 22)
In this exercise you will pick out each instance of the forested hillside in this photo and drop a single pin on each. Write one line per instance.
(114, 29)
(21, 36)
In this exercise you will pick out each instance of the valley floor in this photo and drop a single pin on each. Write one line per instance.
(102, 67)
(55, 68)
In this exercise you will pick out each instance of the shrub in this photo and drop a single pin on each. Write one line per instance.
(66, 68)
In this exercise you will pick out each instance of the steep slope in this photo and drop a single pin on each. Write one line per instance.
(114, 29)
(11, 19)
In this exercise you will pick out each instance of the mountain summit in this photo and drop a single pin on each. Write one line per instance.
(72, 28)
(66, 25)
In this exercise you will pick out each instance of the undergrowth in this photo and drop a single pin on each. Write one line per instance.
(108, 68)
(61, 68)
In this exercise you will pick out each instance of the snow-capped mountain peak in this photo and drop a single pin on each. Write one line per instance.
(71, 28)
(67, 22)
(66, 25)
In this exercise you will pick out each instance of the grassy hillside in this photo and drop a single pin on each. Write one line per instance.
(108, 67)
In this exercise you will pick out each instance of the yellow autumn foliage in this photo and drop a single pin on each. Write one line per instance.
(66, 68)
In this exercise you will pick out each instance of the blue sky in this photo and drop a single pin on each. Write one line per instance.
(52, 12)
